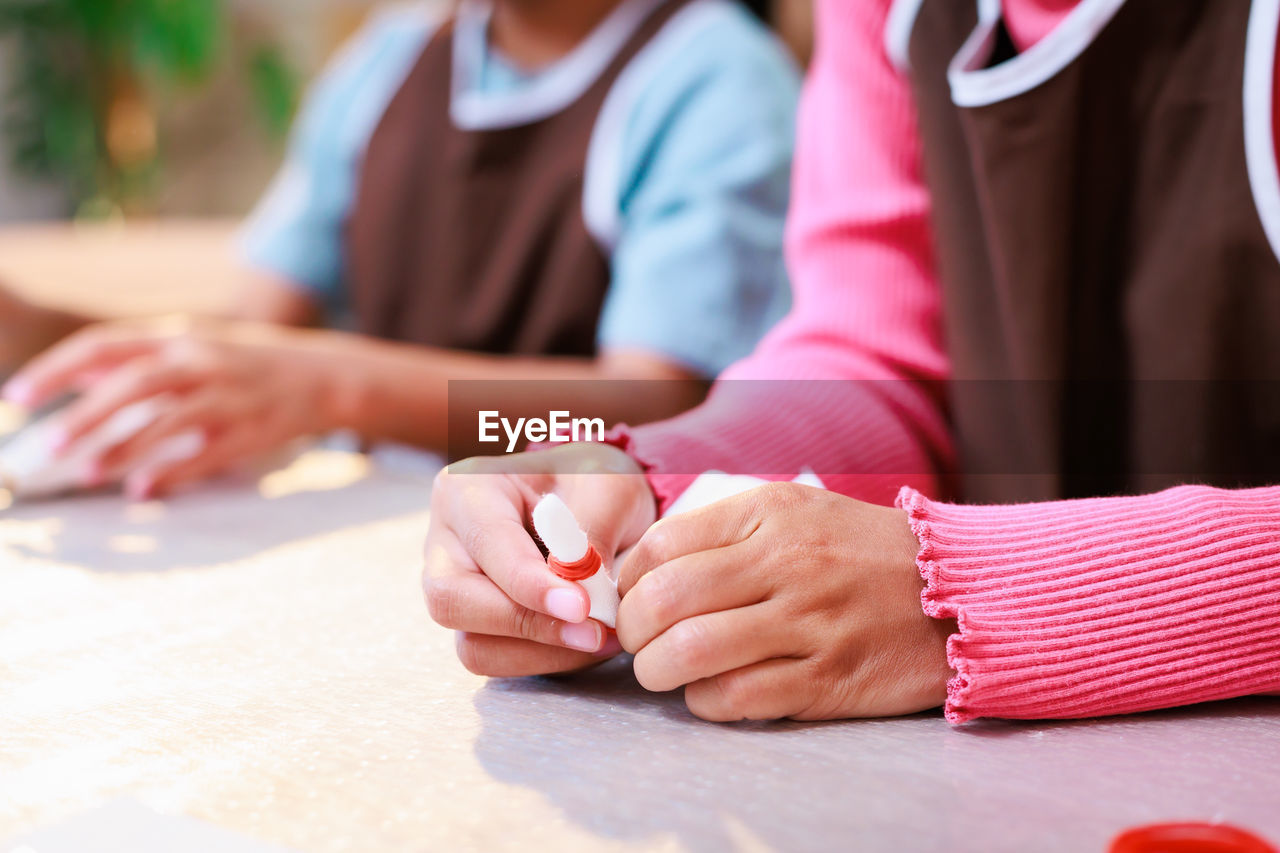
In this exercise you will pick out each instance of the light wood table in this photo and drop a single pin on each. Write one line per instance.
(123, 270)
(257, 655)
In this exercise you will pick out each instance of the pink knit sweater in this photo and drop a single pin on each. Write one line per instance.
(1066, 609)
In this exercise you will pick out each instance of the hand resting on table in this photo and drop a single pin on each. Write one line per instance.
(247, 388)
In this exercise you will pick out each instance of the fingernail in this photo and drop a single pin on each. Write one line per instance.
(584, 636)
(612, 646)
(17, 391)
(567, 605)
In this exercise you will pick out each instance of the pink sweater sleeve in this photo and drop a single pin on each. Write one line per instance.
(1066, 609)
(1107, 605)
(866, 303)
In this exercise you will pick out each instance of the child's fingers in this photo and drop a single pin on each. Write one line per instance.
(713, 643)
(603, 488)
(219, 454)
(138, 380)
(197, 410)
(490, 525)
(613, 509)
(470, 602)
(507, 657)
(478, 526)
(704, 582)
(91, 350)
(769, 690)
(713, 526)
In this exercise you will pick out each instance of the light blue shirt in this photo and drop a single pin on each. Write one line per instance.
(687, 182)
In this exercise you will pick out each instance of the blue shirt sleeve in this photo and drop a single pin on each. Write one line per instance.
(296, 230)
(697, 270)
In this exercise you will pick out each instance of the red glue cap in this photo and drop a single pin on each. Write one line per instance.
(1189, 838)
(579, 570)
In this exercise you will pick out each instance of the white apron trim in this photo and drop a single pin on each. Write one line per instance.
(972, 85)
(602, 189)
(1259, 138)
(897, 32)
(555, 87)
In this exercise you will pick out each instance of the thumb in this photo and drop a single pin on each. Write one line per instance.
(603, 487)
(614, 510)
(605, 490)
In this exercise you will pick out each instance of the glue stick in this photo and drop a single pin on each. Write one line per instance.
(572, 557)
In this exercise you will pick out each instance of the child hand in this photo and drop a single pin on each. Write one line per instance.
(484, 576)
(784, 601)
(246, 388)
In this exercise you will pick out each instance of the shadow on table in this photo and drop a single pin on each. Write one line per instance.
(637, 766)
(216, 523)
(626, 764)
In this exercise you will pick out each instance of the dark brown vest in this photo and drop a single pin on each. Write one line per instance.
(1112, 303)
(475, 239)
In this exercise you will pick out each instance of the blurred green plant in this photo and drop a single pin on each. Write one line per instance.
(87, 79)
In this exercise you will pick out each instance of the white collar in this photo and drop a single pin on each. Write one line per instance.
(553, 88)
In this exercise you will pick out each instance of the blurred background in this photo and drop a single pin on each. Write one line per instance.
(151, 109)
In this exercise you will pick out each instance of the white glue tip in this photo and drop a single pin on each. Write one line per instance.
(558, 530)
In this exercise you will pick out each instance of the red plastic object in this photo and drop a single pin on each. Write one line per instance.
(1189, 838)
(579, 570)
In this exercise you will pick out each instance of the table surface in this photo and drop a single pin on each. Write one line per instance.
(124, 270)
(256, 655)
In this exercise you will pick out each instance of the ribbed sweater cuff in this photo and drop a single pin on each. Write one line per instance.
(1104, 606)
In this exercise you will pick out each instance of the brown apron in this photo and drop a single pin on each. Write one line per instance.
(1112, 303)
(475, 239)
